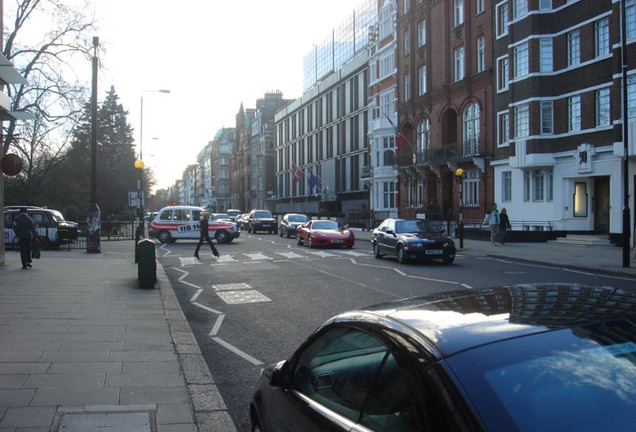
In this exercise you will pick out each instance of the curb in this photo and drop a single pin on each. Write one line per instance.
(210, 411)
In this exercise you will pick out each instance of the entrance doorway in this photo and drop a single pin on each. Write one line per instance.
(601, 204)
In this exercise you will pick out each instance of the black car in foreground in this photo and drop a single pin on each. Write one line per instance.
(409, 239)
(545, 358)
(261, 220)
(290, 223)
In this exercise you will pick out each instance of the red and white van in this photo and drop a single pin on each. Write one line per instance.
(182, 222)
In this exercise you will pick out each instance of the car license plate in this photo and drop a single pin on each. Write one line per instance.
(266, 225)
(336, 241)
(434, 252)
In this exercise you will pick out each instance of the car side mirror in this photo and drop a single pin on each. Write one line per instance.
(390, 232)
(280, 374)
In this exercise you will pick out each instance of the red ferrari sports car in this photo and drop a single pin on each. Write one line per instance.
(321, 232)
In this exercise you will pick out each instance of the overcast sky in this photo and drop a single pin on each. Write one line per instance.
(212, 55)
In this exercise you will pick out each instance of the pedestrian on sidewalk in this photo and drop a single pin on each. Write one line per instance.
(504, 225)
(204, 225)
(492, 219)
(24, 228)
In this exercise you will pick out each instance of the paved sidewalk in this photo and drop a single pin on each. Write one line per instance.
(602, 259)
(83, 347)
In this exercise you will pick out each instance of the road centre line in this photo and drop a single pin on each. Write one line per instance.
(401, 273)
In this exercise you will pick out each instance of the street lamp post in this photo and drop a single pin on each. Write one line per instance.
(139, 163)
(460, 174)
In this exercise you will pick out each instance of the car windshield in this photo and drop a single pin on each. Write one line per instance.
(327, 224)
(262, 214)
(297, 218)
(233, 212)
(415, 226)
(221, 216)
(581, 379)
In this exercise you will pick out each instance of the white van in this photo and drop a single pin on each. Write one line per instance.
(182, 222)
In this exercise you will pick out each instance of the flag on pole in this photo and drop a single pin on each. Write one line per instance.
(399, 140)
(297, 173)
(312, 181)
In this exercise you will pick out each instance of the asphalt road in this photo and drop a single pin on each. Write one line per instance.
(265, 294)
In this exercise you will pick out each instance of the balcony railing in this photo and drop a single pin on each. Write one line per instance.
(450, 152)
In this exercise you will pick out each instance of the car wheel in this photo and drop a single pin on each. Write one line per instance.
(349, 246)
(222, 236)
(280, 232)
(376, 251)
(43, 242)
(401, 256)
(310, 244)
(299, 242)
(256, 424)
(249, 229)
(164, 236)
(448, 260)
(287, 234)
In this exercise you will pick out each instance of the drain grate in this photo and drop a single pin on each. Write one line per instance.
(105, 422)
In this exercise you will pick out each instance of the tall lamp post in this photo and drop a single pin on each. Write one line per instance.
(93, 216)
(626, 212)
(139, 163)
(460, 175)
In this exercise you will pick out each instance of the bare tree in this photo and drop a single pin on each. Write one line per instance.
(46, 41)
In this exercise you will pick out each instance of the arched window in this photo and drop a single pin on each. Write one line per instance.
(423, 137)
(471, 130)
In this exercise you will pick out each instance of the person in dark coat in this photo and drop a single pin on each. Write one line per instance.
(24, 228)
(504, 225)
(204, 225)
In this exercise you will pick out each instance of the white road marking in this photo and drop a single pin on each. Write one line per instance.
(258, 256)
(217, 326)
(225, 259)
(354, 253)
(232, 287)
(196, 296)
(237, 351)
(188, 261)
(185, 274)
(321, 254)
(209, 309)
(290, 255)
(242, 297)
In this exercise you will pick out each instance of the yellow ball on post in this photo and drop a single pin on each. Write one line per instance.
(459, 172)
(139, 164)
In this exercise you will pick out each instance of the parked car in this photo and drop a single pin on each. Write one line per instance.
(220, 216)
(261, 220)
(549, 358)
(182, 222)
(53, 229)
(324, 232)
(409, 239)
(290, 222)
(233, 214)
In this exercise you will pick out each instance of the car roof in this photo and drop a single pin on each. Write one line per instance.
(459, 320)
(181, 207)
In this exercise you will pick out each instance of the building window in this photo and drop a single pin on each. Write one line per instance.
(471, 188)
(459, 63)
(522, 121)
(388, 151)
(421, 83)
(458, 16)
(387, 103)
(521, 64)
(574, 113)
(388, 195)
(539, 185)
(502, 19)
(527, 185)
(580, 199)
(407, 87)
(421, 33)
(631, 96)
(546, 61)
(386, 66)
(503, 73)
(471, 130)
(503, 129)
(574, 48)
(406, 6)
(506, 186)
(479, 6)
(407, 41)
(423, 135)
(601, 37)
(481, 54)
(545, 4)
(520, 9)
(630, 18)
(549, 186)
(547, 118)
(603, 107)
(386, 23)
